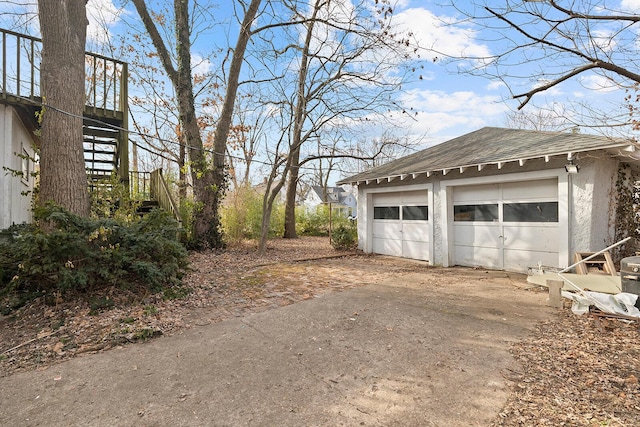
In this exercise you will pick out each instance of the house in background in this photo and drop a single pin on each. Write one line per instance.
(342, 200)
(497, 198)
(16, 167)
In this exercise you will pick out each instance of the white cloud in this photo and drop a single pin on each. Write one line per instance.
(599, 83)
(443, 115)
(630, 5)
(439, 33)
(401, 4)
(102, 16)
(496, 85)
(200, 65)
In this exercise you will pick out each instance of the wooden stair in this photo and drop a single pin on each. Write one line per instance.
(147, 206)
(101, 150)
(105, 113)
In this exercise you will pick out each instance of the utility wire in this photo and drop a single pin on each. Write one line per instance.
(143, 135)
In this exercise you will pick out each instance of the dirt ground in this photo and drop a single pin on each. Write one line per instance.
(567, 370)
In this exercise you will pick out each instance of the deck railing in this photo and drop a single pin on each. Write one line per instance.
(106, 78)
(160, 192)
(153, 186)
(140, 185)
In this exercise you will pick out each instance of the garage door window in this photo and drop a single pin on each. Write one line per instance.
(386, 212)
(531, 212)
(487, 212)
(415, 213)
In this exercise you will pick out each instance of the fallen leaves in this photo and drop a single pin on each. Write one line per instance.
(221, 285)
(575, 373)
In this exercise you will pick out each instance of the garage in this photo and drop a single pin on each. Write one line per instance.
(401, 225)
(506, 225)
(505, 199)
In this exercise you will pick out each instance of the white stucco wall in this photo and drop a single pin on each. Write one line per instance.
(15, 208)
(593, 215)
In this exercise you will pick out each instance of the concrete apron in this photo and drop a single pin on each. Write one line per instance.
(406, 353)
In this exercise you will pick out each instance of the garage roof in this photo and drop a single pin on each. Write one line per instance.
(494, 146)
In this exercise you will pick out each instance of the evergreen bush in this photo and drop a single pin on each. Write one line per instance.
(345, 237)
(68, 253)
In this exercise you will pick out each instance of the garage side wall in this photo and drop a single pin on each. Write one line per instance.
(593, 207)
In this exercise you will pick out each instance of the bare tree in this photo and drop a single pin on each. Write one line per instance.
(540, 119)
(63, 179)
(365, 154)
(349, 65)
(550, 43)
(280, 165)
(209, 181)
(243, 141)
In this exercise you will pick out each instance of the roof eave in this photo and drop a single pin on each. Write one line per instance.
(627, 149)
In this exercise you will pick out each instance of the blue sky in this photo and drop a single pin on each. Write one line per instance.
(447, 104)
(452, 104)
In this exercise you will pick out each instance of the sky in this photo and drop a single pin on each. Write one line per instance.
(444, 102)
(452, 103)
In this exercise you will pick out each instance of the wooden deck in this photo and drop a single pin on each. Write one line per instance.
(106, 110)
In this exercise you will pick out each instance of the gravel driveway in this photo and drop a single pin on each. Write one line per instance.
(418, 347)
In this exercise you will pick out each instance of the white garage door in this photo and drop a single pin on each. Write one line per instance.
(401, 224)
(510, 226)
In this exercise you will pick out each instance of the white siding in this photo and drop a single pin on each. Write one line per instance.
(15, 208)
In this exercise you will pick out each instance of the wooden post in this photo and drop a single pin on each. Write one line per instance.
(330, 225)
(555, 293)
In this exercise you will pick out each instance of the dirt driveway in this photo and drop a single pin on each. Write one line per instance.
(418, 347)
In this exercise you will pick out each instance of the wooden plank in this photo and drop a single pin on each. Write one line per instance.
(602, 262)
(609, 266)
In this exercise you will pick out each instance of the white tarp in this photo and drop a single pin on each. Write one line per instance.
(622, 303)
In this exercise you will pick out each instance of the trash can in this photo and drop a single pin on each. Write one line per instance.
(630, 274)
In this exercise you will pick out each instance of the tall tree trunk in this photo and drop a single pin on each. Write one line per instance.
(209, 183)
(206, 188)
(290, 195)
(182, 176)
(221, 133)
(63, 178)
(300, 115)
(270, 195)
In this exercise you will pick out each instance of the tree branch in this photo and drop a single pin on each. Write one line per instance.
(573, 14)
(594, 63)
(156, 39)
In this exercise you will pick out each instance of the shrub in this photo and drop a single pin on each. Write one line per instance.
(77, 254)
(314, 222)
(242, 216)
(319, 221)
(345, 237)
(110, 198)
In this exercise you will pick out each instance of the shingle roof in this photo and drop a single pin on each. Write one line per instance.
(489, 145)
